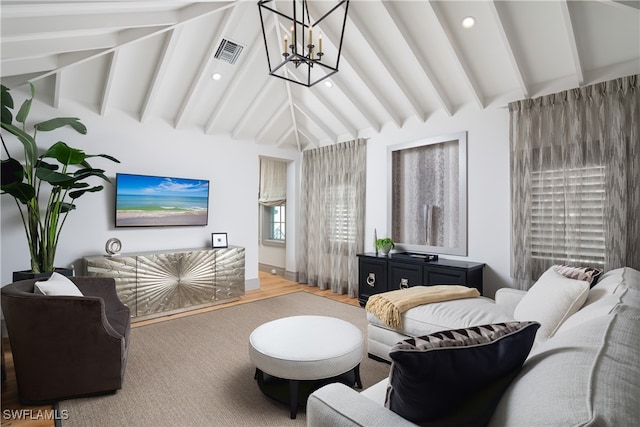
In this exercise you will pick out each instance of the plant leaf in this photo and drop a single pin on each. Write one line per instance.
(85, 173)
(66, 207)
(42, 164)
(53, 177)
(12, 171)
(78, 193)
(23, 113)
(59, 122)
(30, 147)
(7, 105)
(65, 154)
(20, 190)
(105, 156)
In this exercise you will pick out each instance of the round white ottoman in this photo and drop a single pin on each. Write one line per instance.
(306, 348)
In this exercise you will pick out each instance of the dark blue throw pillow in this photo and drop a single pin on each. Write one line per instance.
(457, 377)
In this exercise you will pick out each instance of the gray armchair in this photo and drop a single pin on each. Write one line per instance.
(66, 346)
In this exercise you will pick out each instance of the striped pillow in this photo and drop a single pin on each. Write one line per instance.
(457, 377)
(588, 274)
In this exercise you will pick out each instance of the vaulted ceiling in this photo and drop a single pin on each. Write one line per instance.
(401, 62)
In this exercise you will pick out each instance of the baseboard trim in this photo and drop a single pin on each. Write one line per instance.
(291, 275)
(267, 268)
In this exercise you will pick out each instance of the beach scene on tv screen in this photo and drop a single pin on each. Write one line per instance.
(160, 201)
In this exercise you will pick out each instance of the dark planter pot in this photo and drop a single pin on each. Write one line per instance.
(28, 274)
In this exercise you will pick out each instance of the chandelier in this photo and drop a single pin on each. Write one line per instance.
(296, 52)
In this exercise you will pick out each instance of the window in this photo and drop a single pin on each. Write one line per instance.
(274, 223)
(342, 217)
(567, 218)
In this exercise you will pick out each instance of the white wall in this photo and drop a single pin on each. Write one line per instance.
(232, 167)
(488, 185)
(152, 148)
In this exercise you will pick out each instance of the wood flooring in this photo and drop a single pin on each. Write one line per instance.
(40, 416)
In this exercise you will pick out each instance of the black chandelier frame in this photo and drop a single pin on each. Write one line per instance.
(308, 56)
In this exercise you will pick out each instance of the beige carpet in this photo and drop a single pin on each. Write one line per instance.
(195, 371)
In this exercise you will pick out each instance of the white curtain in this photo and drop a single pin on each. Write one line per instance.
(331, 230)
(575, 179)
(273, 182)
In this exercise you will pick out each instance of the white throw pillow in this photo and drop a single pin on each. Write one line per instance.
(57, 285)
(602, 307)
(550, 301)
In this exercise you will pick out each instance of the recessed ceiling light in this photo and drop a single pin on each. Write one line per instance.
(468, 22)
(328, 83)
(216, 76)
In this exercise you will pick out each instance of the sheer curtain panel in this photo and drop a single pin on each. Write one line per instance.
(273, 182)
(575, 179)
(332, 203)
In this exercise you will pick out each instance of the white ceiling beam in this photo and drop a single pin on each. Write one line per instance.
(430, 76)
(199, 78)
(15, 67)
(292, 114)
(203, 8)
(13, 82)
(362, 75)
(377, 51)
(79, 8)
(134, 35)
(313, 91)
(371, 86)
(309, 115)
(289, 104)
(236, 81)
(571, 36)
(349, 94)
(351, 129)
(248, 114)
(22, 70)
(71, 58)
(51, 45)
(322, 98)
(506, 41)
(108, 84)
(57, 89)
(78, 26)
(311, 139)
(284, 136)
(130, 36)
(271, 121)
(345, 88)
(457, 56)
(628, 5)
(160, 72)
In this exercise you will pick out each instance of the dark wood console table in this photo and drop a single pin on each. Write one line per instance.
(382, 273)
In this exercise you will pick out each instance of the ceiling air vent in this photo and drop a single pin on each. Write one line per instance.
(228, 51)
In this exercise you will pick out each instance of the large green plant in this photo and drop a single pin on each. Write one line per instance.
(46, 185)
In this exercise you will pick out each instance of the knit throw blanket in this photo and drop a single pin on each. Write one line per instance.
(389, 306)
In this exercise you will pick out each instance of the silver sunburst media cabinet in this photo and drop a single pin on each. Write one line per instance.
(160, 283)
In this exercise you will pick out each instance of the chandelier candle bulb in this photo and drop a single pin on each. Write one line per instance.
(320, 42)
(286, 44)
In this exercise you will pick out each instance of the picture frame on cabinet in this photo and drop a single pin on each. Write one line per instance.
(219, 240)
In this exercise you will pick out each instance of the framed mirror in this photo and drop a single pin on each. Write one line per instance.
(427, 188)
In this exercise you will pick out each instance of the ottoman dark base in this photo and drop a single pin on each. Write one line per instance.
(295, 393)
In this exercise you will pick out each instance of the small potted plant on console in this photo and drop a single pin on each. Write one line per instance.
(384, 245)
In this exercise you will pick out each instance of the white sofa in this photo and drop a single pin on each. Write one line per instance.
(584, 369)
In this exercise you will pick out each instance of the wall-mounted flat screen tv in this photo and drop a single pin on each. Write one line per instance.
(157, 201)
